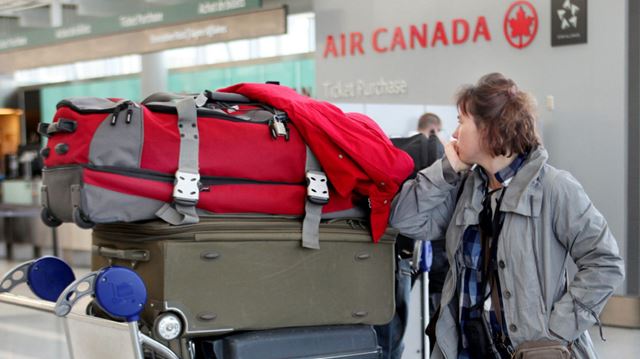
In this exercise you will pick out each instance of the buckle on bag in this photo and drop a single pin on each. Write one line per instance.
(317, 187)
(186, 188)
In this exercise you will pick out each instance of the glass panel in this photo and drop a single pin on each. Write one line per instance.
(299, 74)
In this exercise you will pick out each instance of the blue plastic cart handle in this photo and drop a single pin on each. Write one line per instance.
(48, 277)
(120, 292)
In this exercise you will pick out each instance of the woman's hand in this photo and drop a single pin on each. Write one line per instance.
(451, 151)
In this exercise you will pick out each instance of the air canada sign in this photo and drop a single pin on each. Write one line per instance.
(383, 39)
(520, 28)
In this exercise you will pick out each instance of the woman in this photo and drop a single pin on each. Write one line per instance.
(512, 224)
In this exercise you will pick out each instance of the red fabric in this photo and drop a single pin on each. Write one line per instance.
(247, 150)
(161, 142)
(351, 148)
(227, 149)
(78, 141)
(231, 198)
(228, 198)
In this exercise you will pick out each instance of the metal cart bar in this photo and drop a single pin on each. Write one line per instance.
(85, 333)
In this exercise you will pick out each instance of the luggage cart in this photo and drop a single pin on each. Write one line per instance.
(120, 293)
(117, 290)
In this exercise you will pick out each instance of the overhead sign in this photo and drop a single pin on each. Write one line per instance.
(168, 15)
(409, 37)
(568, 22)
(247, 25)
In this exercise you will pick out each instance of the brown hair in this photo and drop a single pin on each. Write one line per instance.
(427, 120)
(503, 113)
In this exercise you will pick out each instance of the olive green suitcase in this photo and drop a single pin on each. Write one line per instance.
(227, 274)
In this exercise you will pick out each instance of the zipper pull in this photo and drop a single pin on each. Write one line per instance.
(114, 118)
(116, 111)
(278, 126)
(130, 112)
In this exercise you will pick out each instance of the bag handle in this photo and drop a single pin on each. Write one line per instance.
(134, 255)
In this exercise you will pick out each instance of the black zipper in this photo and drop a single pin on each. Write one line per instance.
(163, 177)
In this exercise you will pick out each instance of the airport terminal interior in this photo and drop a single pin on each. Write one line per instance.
(145, 214)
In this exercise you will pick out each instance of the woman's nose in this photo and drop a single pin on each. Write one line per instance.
(455, 133)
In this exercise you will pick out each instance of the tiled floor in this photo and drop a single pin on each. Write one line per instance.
(28, 334)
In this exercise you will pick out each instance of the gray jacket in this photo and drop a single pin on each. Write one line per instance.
(549, 221)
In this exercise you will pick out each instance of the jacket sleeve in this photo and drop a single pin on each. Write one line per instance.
(423, 208)
(586, 235)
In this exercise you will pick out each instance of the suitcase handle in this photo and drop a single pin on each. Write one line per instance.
(136, 255)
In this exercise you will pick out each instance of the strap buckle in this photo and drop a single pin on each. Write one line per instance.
(186, 188)
(317, 187)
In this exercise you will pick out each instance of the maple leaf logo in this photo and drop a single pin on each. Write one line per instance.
(523, 26)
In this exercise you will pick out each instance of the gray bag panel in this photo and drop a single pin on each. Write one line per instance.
(163, 97)
(86, 104)
(224, 275)
(355, 212)
(62, 186)
(104, 206)
(56, 190)
(119, 144)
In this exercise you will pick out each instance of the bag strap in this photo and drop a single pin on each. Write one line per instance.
(186, 188)
(317, 197)
(461, 188)
(489, 250)
(430, 330)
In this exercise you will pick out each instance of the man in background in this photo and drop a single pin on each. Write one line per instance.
(424, 148)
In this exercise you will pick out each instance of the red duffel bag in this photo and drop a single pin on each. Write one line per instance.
(178, 157)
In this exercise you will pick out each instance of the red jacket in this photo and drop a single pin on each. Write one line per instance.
(351, 148)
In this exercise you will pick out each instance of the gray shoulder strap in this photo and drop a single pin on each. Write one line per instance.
(317, 197)
(186, 188)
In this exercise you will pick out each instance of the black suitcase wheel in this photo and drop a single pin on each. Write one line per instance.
(80, 220)
(49, 219)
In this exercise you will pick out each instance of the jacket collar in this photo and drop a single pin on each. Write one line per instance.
(523, 196)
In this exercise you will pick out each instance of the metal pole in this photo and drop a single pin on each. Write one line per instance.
(54, 237)
(136, 341)
(26, 302)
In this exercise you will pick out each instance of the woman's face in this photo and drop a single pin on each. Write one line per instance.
(469, 136)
